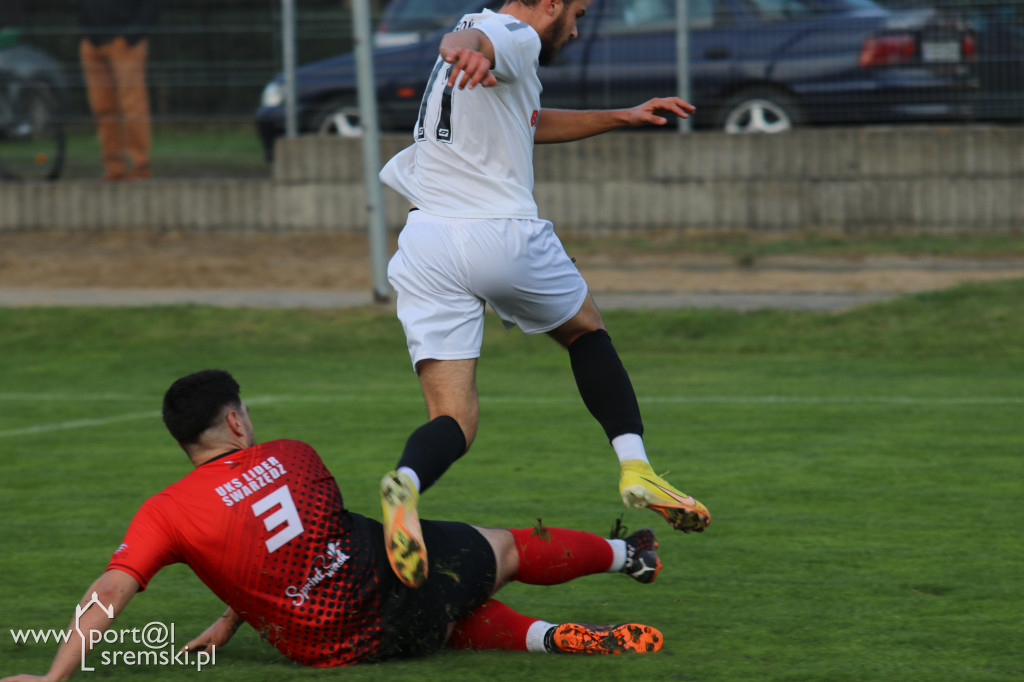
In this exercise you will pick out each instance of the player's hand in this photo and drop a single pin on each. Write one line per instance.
(203, 642)
(217, 635)
(655, 111)
(473, 67)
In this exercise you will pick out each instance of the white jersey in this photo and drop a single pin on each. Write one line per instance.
(473, 150)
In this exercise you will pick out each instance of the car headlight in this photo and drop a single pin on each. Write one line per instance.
(273, 95)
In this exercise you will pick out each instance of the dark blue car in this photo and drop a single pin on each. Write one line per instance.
(755, 66)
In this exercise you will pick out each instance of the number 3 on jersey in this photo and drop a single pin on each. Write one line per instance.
(286, 515)
(443, 129)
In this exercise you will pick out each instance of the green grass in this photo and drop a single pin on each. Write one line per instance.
(747, 246)
(863, 471)
(180, 151)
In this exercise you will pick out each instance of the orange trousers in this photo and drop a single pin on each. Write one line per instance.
(115, 77)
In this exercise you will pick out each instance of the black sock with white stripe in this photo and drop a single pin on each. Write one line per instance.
(432, 448)
(604, 384)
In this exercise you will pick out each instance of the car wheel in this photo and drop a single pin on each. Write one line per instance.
(760, 111)
(339, 119)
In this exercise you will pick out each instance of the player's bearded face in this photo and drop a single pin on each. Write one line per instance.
(558, 33)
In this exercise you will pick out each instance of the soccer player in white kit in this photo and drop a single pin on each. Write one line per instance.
(474, 238)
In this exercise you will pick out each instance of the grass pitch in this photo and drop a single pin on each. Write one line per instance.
(863, 471)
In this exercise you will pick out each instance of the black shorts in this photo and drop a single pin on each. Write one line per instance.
(460, 576)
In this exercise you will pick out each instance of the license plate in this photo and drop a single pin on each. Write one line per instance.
(944, 51)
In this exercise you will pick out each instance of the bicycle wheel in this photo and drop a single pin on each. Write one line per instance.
(32, 143)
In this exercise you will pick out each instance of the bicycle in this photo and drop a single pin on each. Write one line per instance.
(32, 139)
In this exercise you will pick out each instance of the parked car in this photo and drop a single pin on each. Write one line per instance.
(18, 60)
(33, 88)
(755, 66)
(1000, 70)
(404, 22)
(999, 30)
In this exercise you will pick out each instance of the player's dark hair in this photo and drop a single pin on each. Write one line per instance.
(193, 403)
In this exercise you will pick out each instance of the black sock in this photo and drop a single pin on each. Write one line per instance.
(432, 448)
(604, 384)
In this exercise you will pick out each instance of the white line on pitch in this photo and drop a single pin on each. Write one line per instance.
(651, 400)
(849, 400)
(719, 400)
(779, 400)
(103, 421)
(549, 400)
(58, 397)
(78, 424)
(644, 400)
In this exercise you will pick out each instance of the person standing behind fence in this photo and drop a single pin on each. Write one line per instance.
(113, 51)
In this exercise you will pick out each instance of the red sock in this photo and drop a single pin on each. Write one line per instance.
(492, 625)
(549, 556)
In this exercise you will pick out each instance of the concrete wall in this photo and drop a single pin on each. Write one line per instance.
(900, 180)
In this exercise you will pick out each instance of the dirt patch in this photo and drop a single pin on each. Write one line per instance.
(323, 262)
(147, 260)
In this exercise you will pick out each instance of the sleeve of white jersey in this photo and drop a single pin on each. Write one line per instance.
(516, 47)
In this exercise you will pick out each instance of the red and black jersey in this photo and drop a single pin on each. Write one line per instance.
(265, 528)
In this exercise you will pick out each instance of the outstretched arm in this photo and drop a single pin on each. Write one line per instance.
(218, 634)
(114, 588)
(565, 125)
(470, 52)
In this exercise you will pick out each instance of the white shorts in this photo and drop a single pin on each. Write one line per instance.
(447, 269)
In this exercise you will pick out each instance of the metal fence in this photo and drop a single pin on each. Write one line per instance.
(208, 60)
(958, 61)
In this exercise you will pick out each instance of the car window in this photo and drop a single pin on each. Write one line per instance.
(424, 15)
(629, 15)
(780, 10)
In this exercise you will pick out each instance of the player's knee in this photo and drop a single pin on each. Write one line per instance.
(468, 431)
(506, 556)
(587, 320)
(466, 416)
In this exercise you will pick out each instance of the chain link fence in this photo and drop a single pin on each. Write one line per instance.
(208, 59)
(755, 65)
(208, 62)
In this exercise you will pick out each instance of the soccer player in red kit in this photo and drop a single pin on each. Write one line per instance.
(265, 528)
